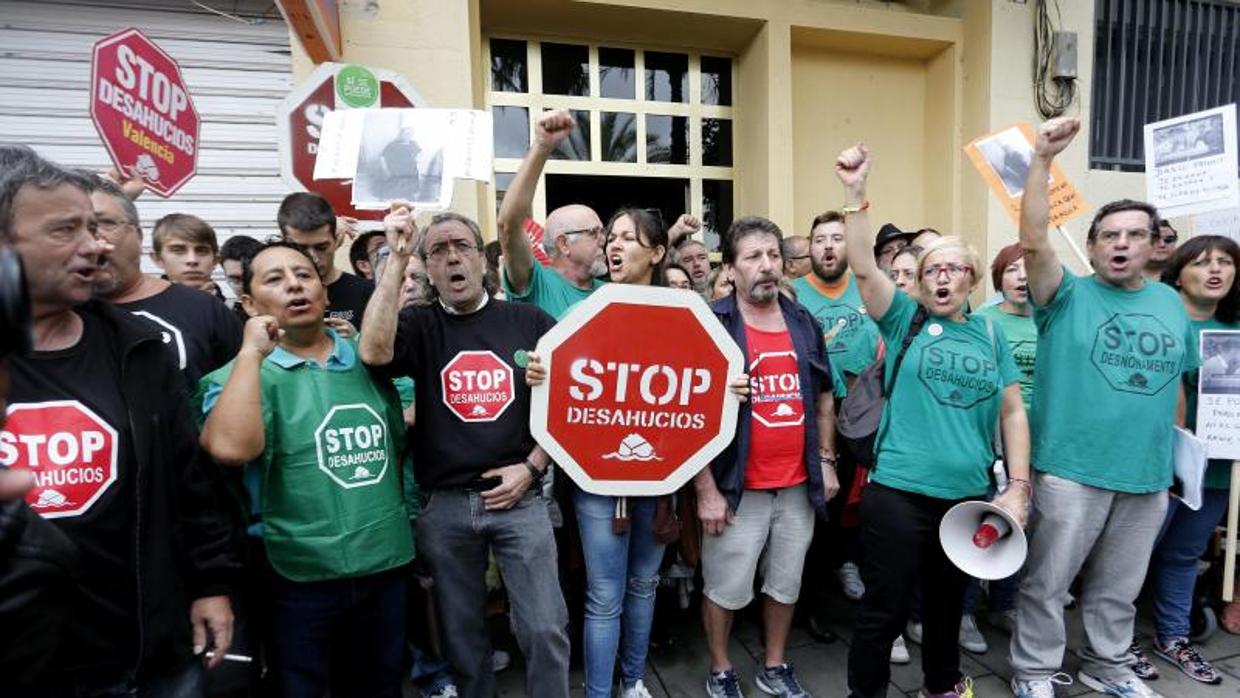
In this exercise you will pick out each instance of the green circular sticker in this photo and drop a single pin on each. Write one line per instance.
(521, 358)
(357, 86)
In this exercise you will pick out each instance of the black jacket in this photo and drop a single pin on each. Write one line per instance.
(183, 538)
(815, 373)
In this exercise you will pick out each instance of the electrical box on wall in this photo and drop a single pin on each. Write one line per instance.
(1065, 55)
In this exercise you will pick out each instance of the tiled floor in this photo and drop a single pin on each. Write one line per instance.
(680, 670)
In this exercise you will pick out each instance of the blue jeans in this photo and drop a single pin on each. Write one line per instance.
(455, 535)
(348, 634)
(1184, 537)
(622, 573)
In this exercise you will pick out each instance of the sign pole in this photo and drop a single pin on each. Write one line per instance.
(1076, 249)
(1233, 518)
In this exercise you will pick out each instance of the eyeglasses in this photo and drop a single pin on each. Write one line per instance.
(954, 271)
(1167, 239)
(1134, 234)
(597, 231)
(464, 248)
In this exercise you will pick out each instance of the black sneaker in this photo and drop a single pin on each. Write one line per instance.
(1181, 653)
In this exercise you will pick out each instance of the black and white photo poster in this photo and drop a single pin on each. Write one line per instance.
(1191, 163)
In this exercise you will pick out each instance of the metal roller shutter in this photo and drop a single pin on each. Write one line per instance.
(237, 68)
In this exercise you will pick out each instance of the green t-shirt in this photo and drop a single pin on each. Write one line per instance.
(550, 291)
(1106, 383)
(852, 336)
(937, 432)
(1022, 337)
(1218, 471)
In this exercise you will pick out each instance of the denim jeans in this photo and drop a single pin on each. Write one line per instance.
(455, 535)
(346, 634)
(622, 573)
(1173, 569)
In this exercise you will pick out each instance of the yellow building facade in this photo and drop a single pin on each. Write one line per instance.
(739, 107)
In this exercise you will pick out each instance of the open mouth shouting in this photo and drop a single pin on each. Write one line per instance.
(299, 306)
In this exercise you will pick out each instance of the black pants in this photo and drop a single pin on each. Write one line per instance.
(900, 547)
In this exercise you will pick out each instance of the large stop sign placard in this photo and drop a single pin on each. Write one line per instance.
(70, 450)
(143, 111)
(636, 399)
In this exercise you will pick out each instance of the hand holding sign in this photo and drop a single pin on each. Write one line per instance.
(399, 228)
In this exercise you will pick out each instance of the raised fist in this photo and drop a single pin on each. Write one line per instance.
(399, 228)
(853, 166)
(262, 334)
(552, 127)
(1055, 135)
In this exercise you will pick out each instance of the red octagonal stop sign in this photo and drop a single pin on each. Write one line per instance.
(636, 399)
(70, 449)
(477, 386)
(143, 111)
(300, 117)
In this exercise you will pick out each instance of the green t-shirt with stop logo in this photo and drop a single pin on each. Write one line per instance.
(1106, 382)
(329, 478)
(851, 335)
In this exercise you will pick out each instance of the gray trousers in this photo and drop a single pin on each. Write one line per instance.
(1107, 537)
(455, 534)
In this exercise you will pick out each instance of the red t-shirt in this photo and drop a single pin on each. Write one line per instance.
(777, 431)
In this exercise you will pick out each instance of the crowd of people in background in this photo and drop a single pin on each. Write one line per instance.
(290, 506)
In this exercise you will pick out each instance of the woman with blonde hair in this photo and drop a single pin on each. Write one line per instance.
(950, 380)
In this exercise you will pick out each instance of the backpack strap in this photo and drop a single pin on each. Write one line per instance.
(914, 328)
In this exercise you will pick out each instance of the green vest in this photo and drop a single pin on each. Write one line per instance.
(330, 492)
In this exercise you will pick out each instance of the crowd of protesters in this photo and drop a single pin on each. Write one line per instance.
(291, 507)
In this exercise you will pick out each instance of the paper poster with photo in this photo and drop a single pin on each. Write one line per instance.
(1003, 159)
(410, 154)
(1191, 163)
(1218, 394)
(401, 156)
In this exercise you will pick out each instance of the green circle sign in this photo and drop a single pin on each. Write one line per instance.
(357, 87)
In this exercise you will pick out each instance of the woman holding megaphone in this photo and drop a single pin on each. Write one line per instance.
(950, 380)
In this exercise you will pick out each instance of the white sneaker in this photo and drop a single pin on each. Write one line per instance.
(899, 651)
(971, 637)
(637, 690)
(1040, 688)
(1126, 688)
(850, 580)
(500, 660)
(912, 631)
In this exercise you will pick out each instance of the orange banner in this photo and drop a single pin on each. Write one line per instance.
(1003, 158)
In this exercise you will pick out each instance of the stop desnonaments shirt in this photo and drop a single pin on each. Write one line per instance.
(467, 423)
(936, 434)
(776, 457)
(102, 629)
(1022, 337)
(1107, 381)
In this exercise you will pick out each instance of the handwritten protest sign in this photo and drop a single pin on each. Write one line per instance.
(1190, 163)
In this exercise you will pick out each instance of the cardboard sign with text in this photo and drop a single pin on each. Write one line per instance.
(1003, 158)
(1218, 394)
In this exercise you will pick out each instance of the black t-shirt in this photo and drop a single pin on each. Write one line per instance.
(475, 416)
(56, 401)
(201, 332)
(347, 298)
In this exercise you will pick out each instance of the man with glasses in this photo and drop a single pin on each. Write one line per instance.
(795, 249)
(200, 332)
(573, 236)
(1111, 349)
(475, 462)
(1165, 241)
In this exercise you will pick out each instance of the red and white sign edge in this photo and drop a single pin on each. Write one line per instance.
(582, 313)
(302, 90)
(112, 478)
